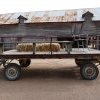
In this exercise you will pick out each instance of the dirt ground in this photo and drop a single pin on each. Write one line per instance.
(50, 79)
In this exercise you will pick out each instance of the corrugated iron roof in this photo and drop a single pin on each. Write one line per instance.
(49, 16)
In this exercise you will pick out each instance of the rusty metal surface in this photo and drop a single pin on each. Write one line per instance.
(49, 16)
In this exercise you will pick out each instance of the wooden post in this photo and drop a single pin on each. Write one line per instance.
(34, 47)
(1, 46)
(51, 45)
(92, 40)
(87, 39)
(97, 44)
(68, 47)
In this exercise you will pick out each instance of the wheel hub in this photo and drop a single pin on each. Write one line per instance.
(90, 71)
(12, 72)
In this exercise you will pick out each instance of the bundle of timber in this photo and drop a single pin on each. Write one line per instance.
(27, 47)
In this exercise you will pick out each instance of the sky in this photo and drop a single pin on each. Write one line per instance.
(12, 6)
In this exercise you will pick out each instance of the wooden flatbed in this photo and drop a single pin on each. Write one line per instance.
(74, 51)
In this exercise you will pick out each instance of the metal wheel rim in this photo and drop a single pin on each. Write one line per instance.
(90, 71)
(12, 73)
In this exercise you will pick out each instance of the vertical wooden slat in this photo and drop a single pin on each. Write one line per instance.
(34, 47)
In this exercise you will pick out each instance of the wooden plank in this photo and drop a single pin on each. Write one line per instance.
(62, 51)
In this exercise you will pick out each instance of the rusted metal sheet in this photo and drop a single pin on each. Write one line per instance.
(49, 16)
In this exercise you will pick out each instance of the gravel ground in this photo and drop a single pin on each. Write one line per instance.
(50, 79)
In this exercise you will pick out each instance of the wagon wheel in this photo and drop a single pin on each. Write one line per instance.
(24, 62)
(12, 71)
(89, 71)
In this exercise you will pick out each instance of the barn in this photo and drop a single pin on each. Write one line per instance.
(51, 23)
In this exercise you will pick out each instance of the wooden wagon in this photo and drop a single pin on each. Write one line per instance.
(86, 54)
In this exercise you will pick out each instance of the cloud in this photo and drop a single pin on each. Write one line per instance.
(10, 6)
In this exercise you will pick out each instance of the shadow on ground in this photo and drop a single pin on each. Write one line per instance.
(68, 73)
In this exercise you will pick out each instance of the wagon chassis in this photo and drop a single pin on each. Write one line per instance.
(86, 61)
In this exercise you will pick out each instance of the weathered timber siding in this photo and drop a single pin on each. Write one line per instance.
(42, 29)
